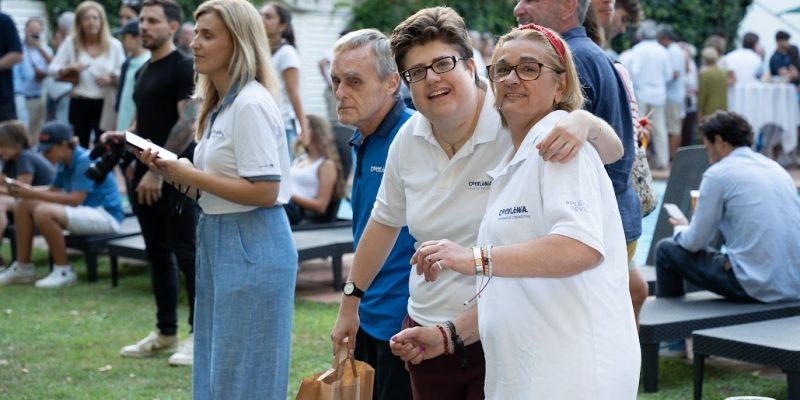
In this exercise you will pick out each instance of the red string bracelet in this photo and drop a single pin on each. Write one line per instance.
(444, 336)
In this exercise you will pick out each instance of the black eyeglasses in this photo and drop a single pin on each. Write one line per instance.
(439, 66)
(526, 71)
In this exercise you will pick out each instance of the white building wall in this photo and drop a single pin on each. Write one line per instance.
(317, 25)
(22, 10)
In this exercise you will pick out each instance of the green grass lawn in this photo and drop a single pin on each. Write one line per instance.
(64, 344)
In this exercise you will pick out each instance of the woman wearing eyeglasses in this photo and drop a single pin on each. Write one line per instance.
(435, 182)
(550, 260)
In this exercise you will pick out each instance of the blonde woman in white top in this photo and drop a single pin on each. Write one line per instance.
(317, 176)
(91, 59)
(246, 259)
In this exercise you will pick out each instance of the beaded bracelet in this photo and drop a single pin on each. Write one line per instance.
(458, 344)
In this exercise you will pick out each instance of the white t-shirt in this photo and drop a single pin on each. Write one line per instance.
(245, 140)
(305, 176)
(676, 88)
(440, 198)
(557, 338)
(106, 63)
(745, 63)
(650, 68)
(286, 57)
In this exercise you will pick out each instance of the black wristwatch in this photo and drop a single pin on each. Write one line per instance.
(349, 288)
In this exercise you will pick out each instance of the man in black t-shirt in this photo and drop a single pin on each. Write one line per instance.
(10, 54)
(165, 114)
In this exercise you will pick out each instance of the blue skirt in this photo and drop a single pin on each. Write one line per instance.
(246, 271)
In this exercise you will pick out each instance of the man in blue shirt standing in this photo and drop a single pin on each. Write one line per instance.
(752, 202)
(605, 98)
(786, 60)
(366, 86)
(36, 56)
(72, 202)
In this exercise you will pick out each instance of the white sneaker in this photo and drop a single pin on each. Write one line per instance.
(185, 353)
(153, 344)
(60, 277)
(18, 274)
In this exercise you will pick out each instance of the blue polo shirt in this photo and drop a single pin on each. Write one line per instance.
(606, 98)
(384, 304)
(779, 60)
(73, 178)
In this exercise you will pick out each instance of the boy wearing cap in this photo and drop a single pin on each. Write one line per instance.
(73, 202)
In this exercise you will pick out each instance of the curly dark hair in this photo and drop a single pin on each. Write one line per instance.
(730, 126)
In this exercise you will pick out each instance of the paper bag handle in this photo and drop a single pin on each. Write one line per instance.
(337, 361)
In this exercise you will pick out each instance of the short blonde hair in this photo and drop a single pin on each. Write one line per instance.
(105, 33)
(251, 58)
(572, 98)
(709, 55)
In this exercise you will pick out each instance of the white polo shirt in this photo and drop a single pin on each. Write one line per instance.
(246, 139)
(542, 335)
(440, 198)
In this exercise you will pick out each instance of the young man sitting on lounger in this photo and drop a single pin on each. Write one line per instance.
(752, 202)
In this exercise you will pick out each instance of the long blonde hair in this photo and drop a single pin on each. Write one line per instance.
(322, 136)
(251, 58)
(80, 36)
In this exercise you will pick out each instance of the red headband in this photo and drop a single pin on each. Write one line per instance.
(557, 44)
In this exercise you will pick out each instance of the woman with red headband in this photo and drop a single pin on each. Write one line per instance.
(435, 182)
(550, 260)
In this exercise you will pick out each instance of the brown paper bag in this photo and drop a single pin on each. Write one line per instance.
(347, 379)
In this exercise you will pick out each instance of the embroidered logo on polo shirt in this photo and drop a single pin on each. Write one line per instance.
(515, 212)
(577, 205)
(479, 185)
(217, 133)
(376, 169)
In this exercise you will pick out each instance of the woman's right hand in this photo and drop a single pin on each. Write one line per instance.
(417, 344)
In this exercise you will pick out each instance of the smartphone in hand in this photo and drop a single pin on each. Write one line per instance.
(674, 212)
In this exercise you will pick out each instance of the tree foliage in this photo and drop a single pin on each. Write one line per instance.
(694, 20)
(484, 16)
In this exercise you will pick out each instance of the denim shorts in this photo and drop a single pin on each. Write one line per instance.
(246, 271)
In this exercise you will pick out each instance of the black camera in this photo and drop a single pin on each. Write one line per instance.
(108, 153)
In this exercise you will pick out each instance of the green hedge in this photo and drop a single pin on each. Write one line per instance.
(484, 16)
(694, 20)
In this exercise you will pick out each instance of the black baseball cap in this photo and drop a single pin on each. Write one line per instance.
(131, 28)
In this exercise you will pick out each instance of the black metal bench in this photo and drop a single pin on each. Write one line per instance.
(775, 342)
(666, 319)
(319, 243)
(90, 245)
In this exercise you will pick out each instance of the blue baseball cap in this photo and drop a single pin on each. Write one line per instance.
(53, 133)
